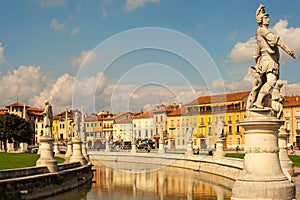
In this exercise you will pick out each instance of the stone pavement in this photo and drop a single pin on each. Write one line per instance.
(296, 180)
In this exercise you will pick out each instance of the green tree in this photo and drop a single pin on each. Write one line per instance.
(14, 128)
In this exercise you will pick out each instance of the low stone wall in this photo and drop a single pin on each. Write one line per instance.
(62, 167)
(225, 167)
(21, 172)
(38, 185)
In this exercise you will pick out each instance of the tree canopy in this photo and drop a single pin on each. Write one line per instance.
(14, 128)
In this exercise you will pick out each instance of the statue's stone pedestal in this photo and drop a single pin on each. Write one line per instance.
(286, 163)
(219, 148)
(161, 148)
(56, 149)
(84, 151)
(69, 149)
(262, 176)
(77, 152)
(46, 154)
(189, 148)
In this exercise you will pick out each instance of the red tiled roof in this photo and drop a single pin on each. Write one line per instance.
(35, 109)
(142, 115)
(4, 109)
(291, 101)
(36, 113)
(220, 98)
(177, 112)
(90, 118)
(124, 121)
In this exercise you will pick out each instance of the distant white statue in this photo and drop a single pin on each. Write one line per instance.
(48, 119)
(77, 124)
(220, 126)
(82, 129)
(190, 132)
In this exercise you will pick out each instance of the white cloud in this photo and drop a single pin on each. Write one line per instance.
(245, 84)
(243, 51)
(134, 4)
(75, 30)
(86, 57)
(22, 83)
(290, 36)
(51, 3)
(2, 58)
(59, 94)
(60, 27)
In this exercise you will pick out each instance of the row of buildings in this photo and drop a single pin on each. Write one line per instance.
(170, 121)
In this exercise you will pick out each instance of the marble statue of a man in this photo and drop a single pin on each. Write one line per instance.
(266, 56)
(48, 119)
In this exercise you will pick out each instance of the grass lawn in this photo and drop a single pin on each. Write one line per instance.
(19, 160)
(293, 158)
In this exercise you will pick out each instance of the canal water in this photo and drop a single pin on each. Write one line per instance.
(127, 181)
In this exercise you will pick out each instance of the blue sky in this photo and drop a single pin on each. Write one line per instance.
(43, 44)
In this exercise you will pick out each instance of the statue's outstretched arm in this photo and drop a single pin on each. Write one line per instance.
(285, 48)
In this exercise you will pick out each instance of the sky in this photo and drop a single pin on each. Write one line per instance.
(128, 55)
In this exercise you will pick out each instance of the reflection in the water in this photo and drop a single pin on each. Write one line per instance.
(164, 183)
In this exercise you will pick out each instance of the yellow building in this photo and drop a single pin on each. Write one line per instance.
(177, 128)
(206, 111)
(62, 127)
(291, 115)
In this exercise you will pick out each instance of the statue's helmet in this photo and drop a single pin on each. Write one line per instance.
(260, 13)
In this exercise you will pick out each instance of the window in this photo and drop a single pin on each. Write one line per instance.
(238, 141)
(298, 124)
(288, 126)
(297, 113)
(237, 129)
(229, 118)
(230, 129)
(287, 113)
(209, 130)
(161, 118)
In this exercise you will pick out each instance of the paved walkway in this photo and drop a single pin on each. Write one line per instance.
(296, 180)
